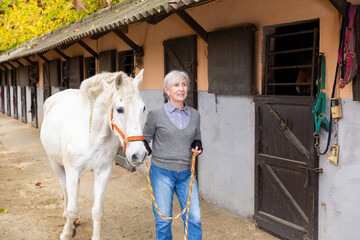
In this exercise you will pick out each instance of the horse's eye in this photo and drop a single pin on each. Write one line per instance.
(144, 109)
(120, 110)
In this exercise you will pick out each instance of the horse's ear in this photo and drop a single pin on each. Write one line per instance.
(138, 79)
(118, 80)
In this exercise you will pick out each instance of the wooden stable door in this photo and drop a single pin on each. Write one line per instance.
(23, 105)
(286, 167)
(181, 54)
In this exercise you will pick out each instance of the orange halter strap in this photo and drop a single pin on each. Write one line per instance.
(126, 139)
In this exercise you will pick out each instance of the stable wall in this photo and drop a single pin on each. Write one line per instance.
(339, 192)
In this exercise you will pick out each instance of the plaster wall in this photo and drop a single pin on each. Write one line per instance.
(40, 105)
(339, 192)
(226, 168)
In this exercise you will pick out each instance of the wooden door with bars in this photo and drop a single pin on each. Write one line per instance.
(286, 164)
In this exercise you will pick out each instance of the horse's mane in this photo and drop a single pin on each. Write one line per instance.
(93, 86)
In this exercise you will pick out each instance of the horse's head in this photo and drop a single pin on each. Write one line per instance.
(127, 108)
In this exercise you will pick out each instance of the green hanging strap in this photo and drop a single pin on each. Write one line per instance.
(319, 107)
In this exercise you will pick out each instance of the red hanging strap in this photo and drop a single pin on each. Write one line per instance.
(350, 56)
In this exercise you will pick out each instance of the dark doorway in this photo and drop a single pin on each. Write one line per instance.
(8, 100)
(23, 105)
(46, 81)
(2, 89)
(286, 164)
(181, 54)
(90, 67)
(14, 98)
(34, 79)
(2, 99)
(126, 62)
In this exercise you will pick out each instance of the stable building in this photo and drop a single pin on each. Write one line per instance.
(253, 67)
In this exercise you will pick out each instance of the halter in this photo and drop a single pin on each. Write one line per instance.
(126, 139)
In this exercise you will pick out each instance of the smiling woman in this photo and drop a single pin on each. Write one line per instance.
(175, 132)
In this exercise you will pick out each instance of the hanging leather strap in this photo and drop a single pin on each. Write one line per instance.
(349, 64)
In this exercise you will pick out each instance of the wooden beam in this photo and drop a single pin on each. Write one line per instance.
(2, 64)
(156, 20)
(127, 40)
(28, 60)
(99, 35)
(8, 63)
(89, 49)
(18, 62)
(43, 58)
(193, 24)
(340, 5)
(67, 45)
(62, 54)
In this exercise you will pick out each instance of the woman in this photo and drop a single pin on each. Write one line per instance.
(175, 131)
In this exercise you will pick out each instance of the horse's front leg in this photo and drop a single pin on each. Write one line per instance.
(101, 178)
(72, 210)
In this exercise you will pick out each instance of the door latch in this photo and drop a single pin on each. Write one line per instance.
(308, 170)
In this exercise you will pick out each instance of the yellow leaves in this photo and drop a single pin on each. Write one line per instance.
(26, 20)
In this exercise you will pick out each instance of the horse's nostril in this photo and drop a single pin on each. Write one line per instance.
(135, 157)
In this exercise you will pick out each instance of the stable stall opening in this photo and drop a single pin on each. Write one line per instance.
(90, 67)
(126, 62)
(65, 73)
(291, 59)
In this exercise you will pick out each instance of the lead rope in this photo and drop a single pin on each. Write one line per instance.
(187, 206)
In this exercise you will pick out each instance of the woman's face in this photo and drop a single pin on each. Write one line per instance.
(177, 92)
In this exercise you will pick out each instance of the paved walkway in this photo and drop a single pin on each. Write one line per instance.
(31, 195)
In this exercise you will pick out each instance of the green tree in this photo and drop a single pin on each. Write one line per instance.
(23, 20)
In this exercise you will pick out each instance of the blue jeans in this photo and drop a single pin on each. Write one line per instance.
(165, 183)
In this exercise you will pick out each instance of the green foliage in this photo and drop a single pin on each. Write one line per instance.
(23, 20)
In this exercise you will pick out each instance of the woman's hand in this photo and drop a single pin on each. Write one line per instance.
(196, 150)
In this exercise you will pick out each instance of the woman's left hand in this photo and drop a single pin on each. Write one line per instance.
(195, 150)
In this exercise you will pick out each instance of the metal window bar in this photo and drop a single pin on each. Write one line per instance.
(293, 33)
(291, 51)
(312, 65)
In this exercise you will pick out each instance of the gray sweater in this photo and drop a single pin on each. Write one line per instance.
(171, 146)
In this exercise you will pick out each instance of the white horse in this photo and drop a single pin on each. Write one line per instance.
(83, 129)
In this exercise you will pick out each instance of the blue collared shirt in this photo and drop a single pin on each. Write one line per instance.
(180, 118)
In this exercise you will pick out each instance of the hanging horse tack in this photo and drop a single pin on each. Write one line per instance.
(319, 107)
(347, 56)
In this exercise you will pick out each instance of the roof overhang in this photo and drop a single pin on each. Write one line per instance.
(108, 19)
